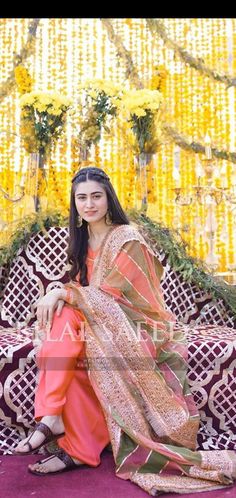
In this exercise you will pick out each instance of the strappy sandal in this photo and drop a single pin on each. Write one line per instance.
(49, 437)
(65, 458)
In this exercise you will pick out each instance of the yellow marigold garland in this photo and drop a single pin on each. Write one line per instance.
(157, 27)
(23, 79)
(7, 86)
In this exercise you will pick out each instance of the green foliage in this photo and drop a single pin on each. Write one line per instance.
(191, 269)
(45, 128)
(196, 147)
(30, 225)
(142, 128)
(95, 119)
(103, 106)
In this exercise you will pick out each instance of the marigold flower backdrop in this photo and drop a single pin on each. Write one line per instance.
(189, 63)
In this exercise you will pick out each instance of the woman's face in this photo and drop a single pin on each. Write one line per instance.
(91, 201)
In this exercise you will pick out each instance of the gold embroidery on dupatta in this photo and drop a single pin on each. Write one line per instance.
(105, 366)
(222, 460)
(211, 475)
(115, 240)
(156, 401)
(115, 433)
(153, 483)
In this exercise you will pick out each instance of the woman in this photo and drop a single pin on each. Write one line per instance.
(112, 367)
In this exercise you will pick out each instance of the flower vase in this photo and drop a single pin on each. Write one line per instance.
(142, 160)
(37, 180)
(84, 155)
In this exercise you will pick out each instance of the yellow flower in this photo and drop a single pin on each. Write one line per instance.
(55, 111)
(158, 79)
(144, 99)
(139, 112)
(40, 107)
(93, 87)
(143, 107)
(101, 104)
(43, 119)
(93, 94)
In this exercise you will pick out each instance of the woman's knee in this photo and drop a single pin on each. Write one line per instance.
(68, 326)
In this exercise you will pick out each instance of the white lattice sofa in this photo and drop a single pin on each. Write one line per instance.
(209, 327)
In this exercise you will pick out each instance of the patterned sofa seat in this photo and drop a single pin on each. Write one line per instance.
(209, 328)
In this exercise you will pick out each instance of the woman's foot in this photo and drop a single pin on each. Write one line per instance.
(35, 440)
(56, 463)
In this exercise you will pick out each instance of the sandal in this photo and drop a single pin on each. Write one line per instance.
(49, 437)
(65, 458)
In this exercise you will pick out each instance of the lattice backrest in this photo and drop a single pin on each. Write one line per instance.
(189, 303)
(42, 266)
(35, 271)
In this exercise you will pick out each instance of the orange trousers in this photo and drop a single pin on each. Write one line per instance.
(66, 390)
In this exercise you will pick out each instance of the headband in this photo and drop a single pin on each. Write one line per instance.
(95, 172)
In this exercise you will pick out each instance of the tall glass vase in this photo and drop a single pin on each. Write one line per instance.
(142, 160)
(36, 179)
(84, 156)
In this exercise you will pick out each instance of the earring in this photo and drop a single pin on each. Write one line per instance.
(108, 219)
(79, 221)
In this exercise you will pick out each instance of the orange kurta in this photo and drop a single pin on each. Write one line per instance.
(66, 390)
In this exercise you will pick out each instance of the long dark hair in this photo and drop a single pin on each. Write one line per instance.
(78, 237)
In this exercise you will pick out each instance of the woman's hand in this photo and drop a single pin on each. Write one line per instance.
(47, 305)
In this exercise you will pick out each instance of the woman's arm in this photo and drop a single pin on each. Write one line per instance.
(52, 302)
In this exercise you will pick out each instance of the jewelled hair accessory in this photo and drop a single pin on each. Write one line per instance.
(95, 172)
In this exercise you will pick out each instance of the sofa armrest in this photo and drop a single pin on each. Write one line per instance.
(37, 268)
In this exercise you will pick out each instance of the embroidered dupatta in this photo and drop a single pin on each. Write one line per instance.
(137, 366)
